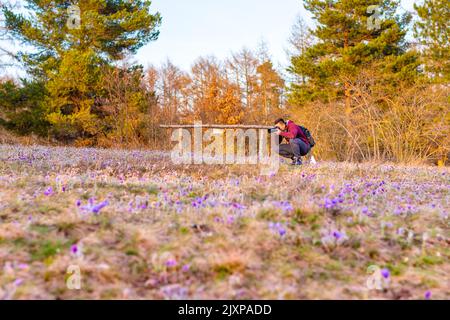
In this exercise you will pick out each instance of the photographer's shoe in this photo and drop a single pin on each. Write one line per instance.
(296, 162)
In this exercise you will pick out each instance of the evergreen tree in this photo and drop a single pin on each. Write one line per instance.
(351, 35)
(72, 43)
(21, 108)
(433, 30)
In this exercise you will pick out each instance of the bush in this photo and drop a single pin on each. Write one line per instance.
(411, 125)
(21, 107)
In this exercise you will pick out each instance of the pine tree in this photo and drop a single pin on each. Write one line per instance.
(351, 35)
(21, 107)
(433, 30)
(72, 44)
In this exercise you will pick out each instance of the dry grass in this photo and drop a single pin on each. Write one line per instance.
(169, 232)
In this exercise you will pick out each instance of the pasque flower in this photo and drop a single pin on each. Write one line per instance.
(49, 191)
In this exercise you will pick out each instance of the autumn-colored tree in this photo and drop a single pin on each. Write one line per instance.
(172, 89)
(242, 72)
(260, 86)
(214, 98)
(269, 92)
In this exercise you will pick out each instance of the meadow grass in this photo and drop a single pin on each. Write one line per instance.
(140, 227)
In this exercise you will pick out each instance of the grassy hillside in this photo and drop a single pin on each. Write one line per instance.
(139, 227)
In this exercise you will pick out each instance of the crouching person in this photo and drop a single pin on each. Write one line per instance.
(298, 145)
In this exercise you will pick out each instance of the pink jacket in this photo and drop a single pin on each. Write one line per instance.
(294, 131)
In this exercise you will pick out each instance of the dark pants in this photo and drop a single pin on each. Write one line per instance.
(296, 148)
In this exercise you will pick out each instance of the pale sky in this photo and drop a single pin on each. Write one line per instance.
(194, 28)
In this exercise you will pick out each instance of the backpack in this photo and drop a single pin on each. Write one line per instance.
(308, 135)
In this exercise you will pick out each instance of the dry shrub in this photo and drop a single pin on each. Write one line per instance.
(6, 137)
(409, 125)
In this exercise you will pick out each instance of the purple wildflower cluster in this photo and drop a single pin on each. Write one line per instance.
(404, 210)
(285, 206)
(174, 292)
(139, 204)
(76, 250)
(167, 198)
(277, 228)
(200, 202)
(171, 263)
(332, 203)
(92, 207)
(49, 191)
(333, 237)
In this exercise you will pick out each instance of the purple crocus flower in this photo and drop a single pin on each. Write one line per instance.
(185, 268)
(171, 263)
(385, 273)
(337, 235)
(18, 282)
(96, 209)
(74, 249)
(428, 295)
(143, 206)
(278, 228)
(198, 202)
(23, 266)
(49, 191)
(285, 206)
(328, 203)
(78, 203)
(332, 203)
(238, 206)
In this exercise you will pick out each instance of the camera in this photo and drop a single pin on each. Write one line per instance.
(272, 130)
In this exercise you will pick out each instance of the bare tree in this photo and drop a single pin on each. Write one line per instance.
(242, 67)
(7, 53)
(171, 87)
(299, 41)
